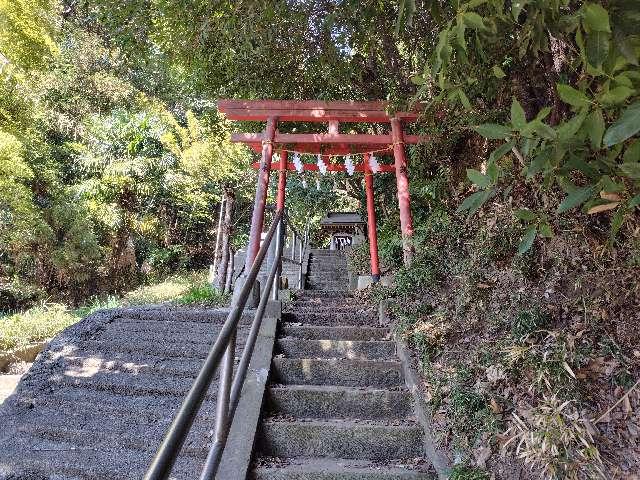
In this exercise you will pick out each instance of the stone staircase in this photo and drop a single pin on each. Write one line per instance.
(337, 406)
(327, 270)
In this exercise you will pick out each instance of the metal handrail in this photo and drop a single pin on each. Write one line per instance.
(228, 393)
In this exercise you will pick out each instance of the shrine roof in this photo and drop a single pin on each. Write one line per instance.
(341, 218)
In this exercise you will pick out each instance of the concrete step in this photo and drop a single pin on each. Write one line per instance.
(65, 461)
(341, 439)
(363, 350)
(171, 315)
(131, 438)
(349, 373)
(342, 469)
(333, 333)
(327, 288)
(333, 402)
(324, 262)
(335, 318)
(121, 384)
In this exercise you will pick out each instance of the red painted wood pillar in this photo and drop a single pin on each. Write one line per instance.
(257, 219)
(404, 199)
(282, 180)
(371, 221)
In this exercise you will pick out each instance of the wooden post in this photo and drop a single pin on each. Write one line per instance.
(371, 221)
(229, 202)
(257, 219)
(214, 268)
(230, 268)
(404, 199)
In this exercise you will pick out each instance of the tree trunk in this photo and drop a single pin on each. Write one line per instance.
(229, 202)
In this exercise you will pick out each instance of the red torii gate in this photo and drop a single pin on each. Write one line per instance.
(328, 144)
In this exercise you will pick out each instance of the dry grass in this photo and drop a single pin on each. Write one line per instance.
(554, 439)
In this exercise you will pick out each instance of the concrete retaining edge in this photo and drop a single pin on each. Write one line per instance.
(438, 458)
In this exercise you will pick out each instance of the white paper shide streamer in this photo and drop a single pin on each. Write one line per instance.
(349, 166)
(373, 164)
(321, 165)
(297, 163)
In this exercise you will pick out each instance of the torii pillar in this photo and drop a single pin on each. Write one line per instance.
(402, 182)
(257, 218)
(371, 221)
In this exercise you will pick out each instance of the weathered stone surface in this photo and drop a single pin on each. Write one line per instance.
(311, 401)
(341, 469)
(355, 350)
(314, 332)
(342, 439)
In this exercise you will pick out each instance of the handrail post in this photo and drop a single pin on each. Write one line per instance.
(278, 260)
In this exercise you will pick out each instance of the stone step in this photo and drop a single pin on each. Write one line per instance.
(315, 269)
(333, 333)
(335, 318)
(146, 408)
(336, 288)
(324, 307)
(130, 438)
(333, 402)
(323, 263)
(122, 384)
(349, 373)
(363, 350)
(325, 286)
(342, 469)
(327, 278)
(341, 296)
(341, 439)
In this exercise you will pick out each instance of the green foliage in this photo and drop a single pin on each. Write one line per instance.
(27, 31)
(464, 472)
(36, 324)
(470, 413)
(202, 294)
(581, 148)
(359, 259)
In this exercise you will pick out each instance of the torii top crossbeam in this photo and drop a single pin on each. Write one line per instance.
(330, 143)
